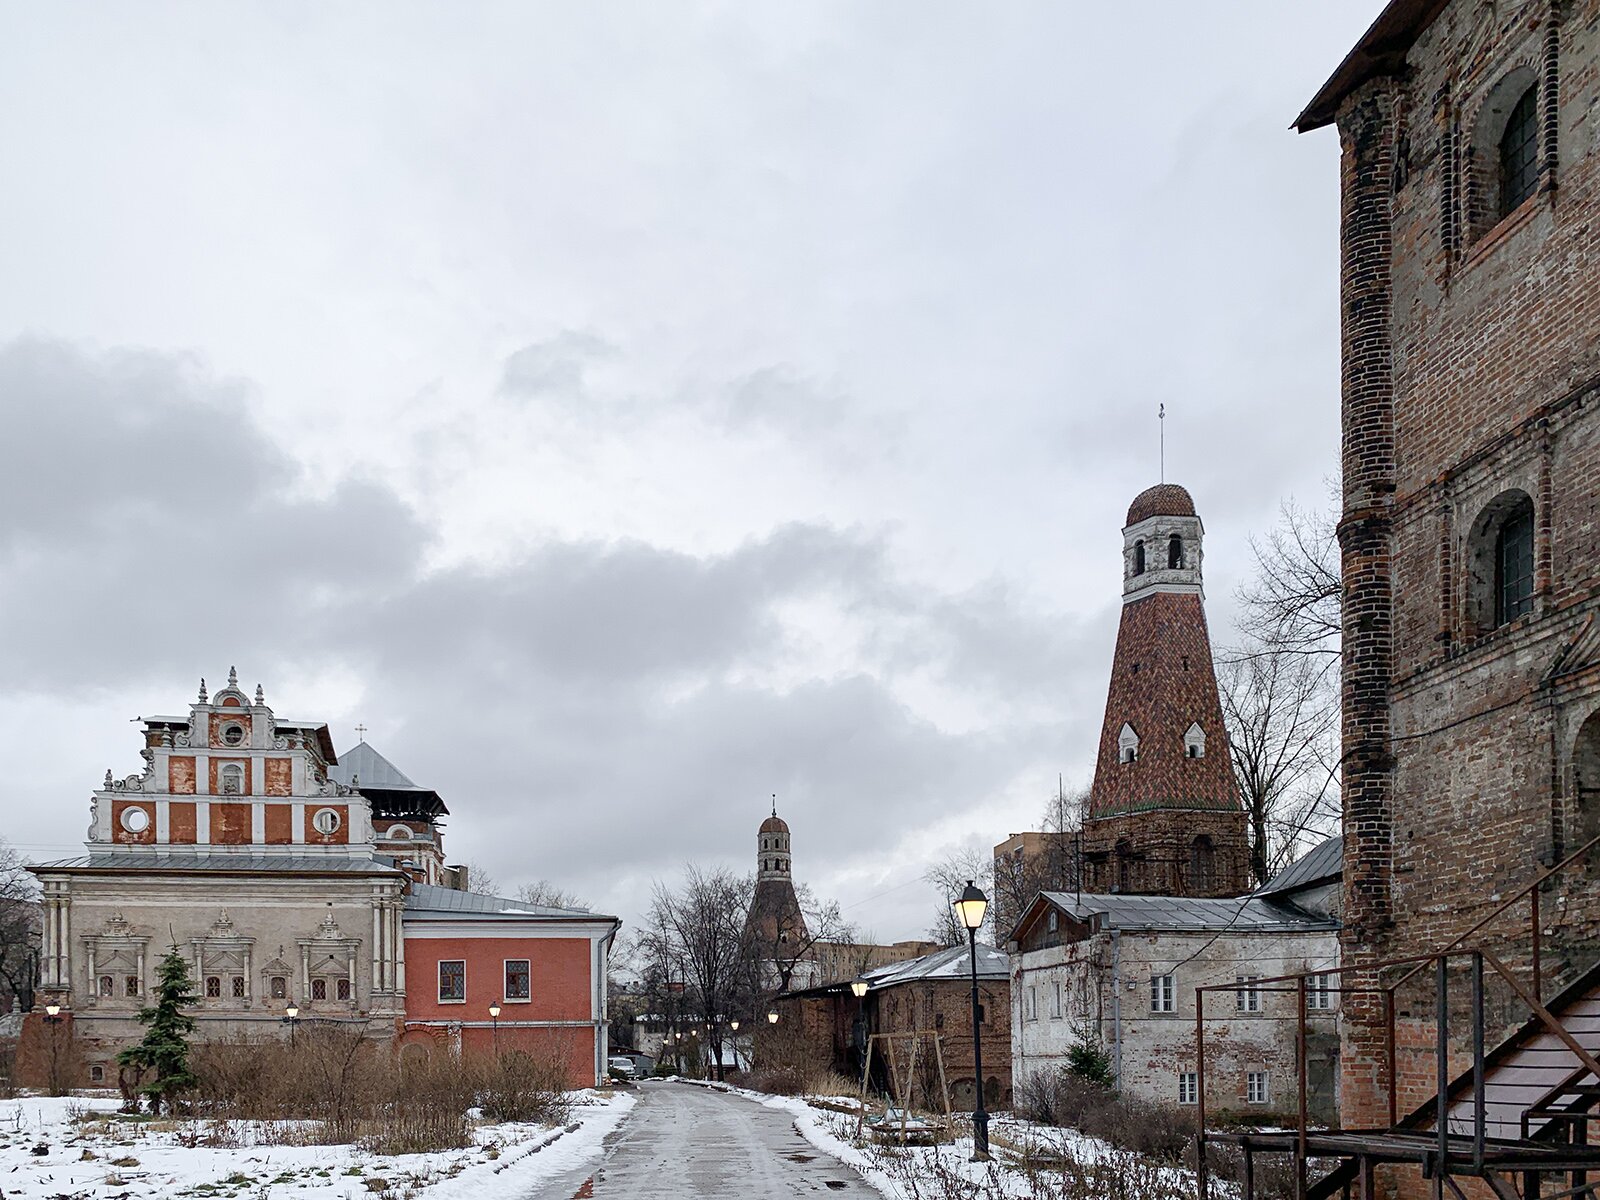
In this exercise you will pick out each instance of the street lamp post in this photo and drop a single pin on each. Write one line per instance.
(970, 908)
(291, 1018)
(53, 1018)
(494, 1019)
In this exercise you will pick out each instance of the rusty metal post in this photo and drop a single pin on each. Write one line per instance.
(1394, 1066)
(1442, 1072)
(1479, 1115)
(1201, 1177)
(1300, 1074)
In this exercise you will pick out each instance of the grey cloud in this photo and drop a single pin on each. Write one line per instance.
(557, 366)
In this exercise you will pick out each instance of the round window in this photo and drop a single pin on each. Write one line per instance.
(325, 821)
(232, 735)
(135, 820)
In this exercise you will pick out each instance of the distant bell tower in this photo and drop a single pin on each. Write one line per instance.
(776, 925)
(1164, 812)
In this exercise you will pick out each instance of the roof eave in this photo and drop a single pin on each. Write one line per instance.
(1381, 51)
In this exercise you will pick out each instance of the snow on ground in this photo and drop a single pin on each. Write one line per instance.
(85, 1158)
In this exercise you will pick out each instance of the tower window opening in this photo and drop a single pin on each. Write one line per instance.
(1138, 558)
(1174, 553)
(1519, 153)
(1514, 566)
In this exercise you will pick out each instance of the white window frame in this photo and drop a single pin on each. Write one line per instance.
(1247, 994)
(1033, 1004)
(1188, 1087)
(1127, 744)
(1057, 1009)
(439, 979)
(505, 981)
(1164, 993)
(1320, 992)
(1256, 1088)
(1194, 741)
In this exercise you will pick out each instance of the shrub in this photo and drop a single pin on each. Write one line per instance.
(1089, 1062)
(517, 1087)
(1062, 1098)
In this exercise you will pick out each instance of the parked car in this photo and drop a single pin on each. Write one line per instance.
(619, 1064)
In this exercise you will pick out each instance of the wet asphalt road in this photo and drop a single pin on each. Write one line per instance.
(683, 1142)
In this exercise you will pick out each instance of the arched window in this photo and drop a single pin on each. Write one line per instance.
(1500, 557)
(1519, 153)
(1127, 744)
(1194, 741)
(1513, 566)
(1174, 553)
(1124, 864)
(1138, 558)
(232, 778)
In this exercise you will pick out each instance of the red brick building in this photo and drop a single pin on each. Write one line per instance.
(1164, 813)
(1470, 298)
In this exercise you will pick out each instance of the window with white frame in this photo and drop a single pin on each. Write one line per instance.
(1320, 991)
(1050, 922)
(1033, 1004)
(1255, 1087)
(1188, 1087)
(452, 981)
(1055, 1001)
(1163, 994)
(518, 979)
(1247, 997)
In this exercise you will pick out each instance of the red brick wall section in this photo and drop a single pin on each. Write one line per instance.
(559, 969)
(280, 776)
(182, 823)
(279, 824)
(180, 775)
(230, 824)
(338, 837)
(120, 834)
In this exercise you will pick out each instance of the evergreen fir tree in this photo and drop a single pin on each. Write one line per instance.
(164, 1051)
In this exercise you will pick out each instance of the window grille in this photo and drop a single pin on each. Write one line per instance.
(344, 989)
(1514, 566)
(1519, 153)
(237, 987)
(453, 981)
(278, 987)
(518, 979)
(130, 986)
(319, 989)
(213, 987)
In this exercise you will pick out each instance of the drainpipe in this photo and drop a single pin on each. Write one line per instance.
(1116, 1006)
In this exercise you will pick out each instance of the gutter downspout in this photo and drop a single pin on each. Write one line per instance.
(602, 1032)
(1116, 1006)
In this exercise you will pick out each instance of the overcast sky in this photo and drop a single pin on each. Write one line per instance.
(628, 411)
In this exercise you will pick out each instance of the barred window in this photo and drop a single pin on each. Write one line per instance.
(130, 985)
(1513, 554)
(319, 989)
(213, 987)
(453, 981)
(1519, 153)
(278, 987)
(238, 987)
(344, 989)
(518, 986)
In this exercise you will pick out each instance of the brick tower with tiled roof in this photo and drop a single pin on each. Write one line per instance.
(1164, 813)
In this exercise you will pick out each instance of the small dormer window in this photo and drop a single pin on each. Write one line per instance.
(1194, 742)
(232, 779)
(1174, 553)
(1138, 558)
(1127, 745)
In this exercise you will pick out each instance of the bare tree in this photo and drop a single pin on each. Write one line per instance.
(1282, 725)
(1291, 604)
(543, 894)
(694, 936)
(780, 941)
(1053, 865)
(949, 877)
(19, 931)
(1280, 690)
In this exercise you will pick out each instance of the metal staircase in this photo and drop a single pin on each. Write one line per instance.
(1519, 1119)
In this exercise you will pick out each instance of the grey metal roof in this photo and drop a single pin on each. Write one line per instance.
(951, 963)
(1323, 863)
(321, 864)
(364, 766)
(1182, 913)
(425, 897)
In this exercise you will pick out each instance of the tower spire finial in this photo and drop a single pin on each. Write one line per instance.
(1161, 423)
(202, 689)
(233, 678)
(774, 803)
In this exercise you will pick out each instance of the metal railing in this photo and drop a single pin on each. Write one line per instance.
(1478, 958)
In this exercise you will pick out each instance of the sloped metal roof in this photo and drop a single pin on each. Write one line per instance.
(365, 767)
(951, 963)
(1183, 913)
(1323, 863)
(425, 897)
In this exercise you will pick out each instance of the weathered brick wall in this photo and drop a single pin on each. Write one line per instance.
(1471, 366)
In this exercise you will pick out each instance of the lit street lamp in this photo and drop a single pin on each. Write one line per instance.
(734, 1024)
(494, 1017)
(858, 987)
(291, 1018)
(772, 1017)
(970, 908)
